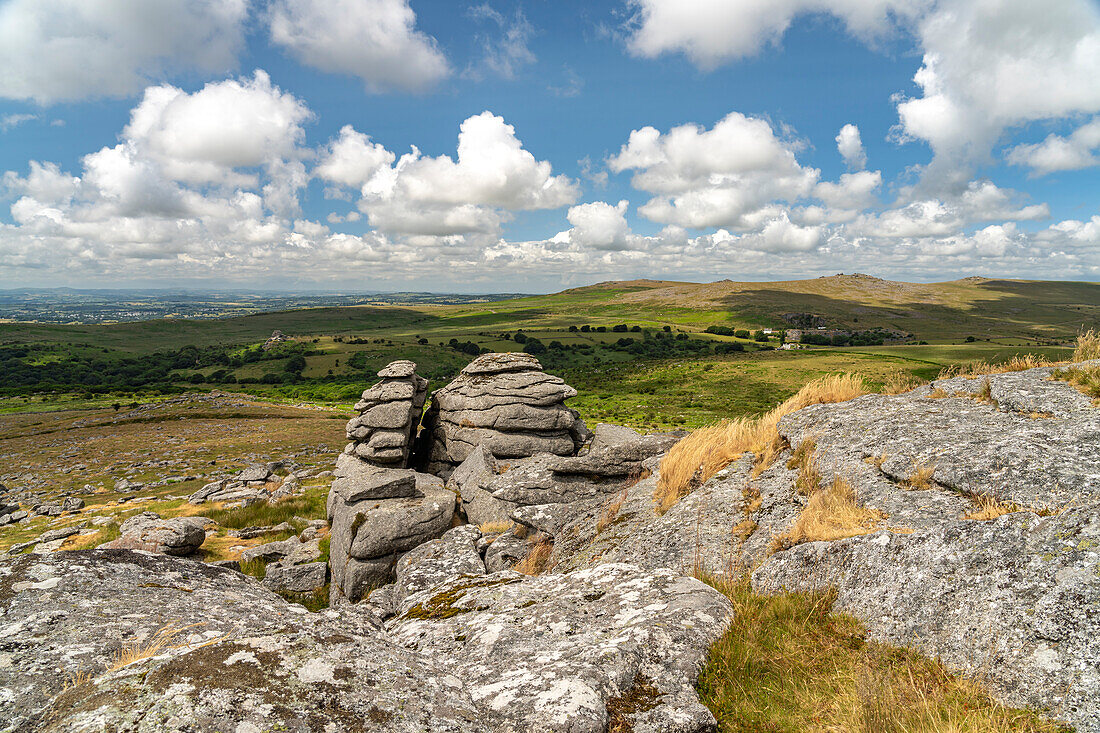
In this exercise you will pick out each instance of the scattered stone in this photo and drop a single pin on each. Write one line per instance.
(72, 504)
(255, 472)
(150, 533)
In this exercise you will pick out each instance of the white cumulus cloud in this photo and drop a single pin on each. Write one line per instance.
(375, 40)
(492, 176)
(710, 32)
(57, 50)
(723, 177)
(850, 146)
(1079, 150)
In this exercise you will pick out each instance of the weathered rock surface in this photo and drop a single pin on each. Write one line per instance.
(471, 480)
(480, 653)
(150, 533)
(549, 652)
(506, 403)
(368, 536)
(389, 413)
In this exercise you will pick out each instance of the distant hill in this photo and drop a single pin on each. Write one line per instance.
(1019, 311)
(981, 307)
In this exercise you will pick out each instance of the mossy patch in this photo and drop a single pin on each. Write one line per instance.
(621, 709)
(442, 605)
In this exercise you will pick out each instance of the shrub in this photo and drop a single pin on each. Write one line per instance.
(520, 337)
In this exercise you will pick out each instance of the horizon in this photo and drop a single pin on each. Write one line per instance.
(516, 147)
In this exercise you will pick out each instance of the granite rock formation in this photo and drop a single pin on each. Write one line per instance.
(389, 414)
(506, 403)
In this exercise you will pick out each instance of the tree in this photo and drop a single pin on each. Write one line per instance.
(116, 406)
(572, 329)
(520, 337)
(619, 328)
(666, 329)
(534, 346)
(741, 333)
(295, 364)
(760, 336)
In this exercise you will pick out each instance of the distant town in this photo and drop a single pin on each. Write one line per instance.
(76, 306)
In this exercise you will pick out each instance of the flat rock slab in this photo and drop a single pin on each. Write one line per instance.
(972, 446)
(547, 653)
(356, 480)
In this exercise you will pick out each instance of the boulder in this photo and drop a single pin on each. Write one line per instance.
(357, 480)
(150, 533)
(369, 535)
(504, 551)
(254, 472)
(72, 504)
(304, 578)
(470, 481)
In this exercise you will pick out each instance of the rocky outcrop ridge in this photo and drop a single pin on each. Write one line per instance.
(389, 413)
(506, 403)
(209, 649)
(990, 562)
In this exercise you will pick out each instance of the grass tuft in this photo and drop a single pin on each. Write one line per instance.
(538, 557)
(900, 382)
(788, 663)
(831, 513)
(920, 479)
(1088, 346)
(149, 648)
(707, 451)
(1085, 378)
(610, 511)
(1017, 363)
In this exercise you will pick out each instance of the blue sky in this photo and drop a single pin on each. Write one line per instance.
(204, 142)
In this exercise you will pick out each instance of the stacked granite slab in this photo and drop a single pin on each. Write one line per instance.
(506, 403)
(377, 514)
(389, 414)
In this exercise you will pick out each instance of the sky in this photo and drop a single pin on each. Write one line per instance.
(531, 146)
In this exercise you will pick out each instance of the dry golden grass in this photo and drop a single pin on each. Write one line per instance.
(802, 460)
(610, 511)
(984, 368)
(831, 513)
(989, 507)
(707, 451)
(788, 663)
(920, 479)
(1085, 378)
(937, 394)
(900, 382)
(78, 678)
(151, 647)
(494, 527)
(1088, 346)
(538, 557)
